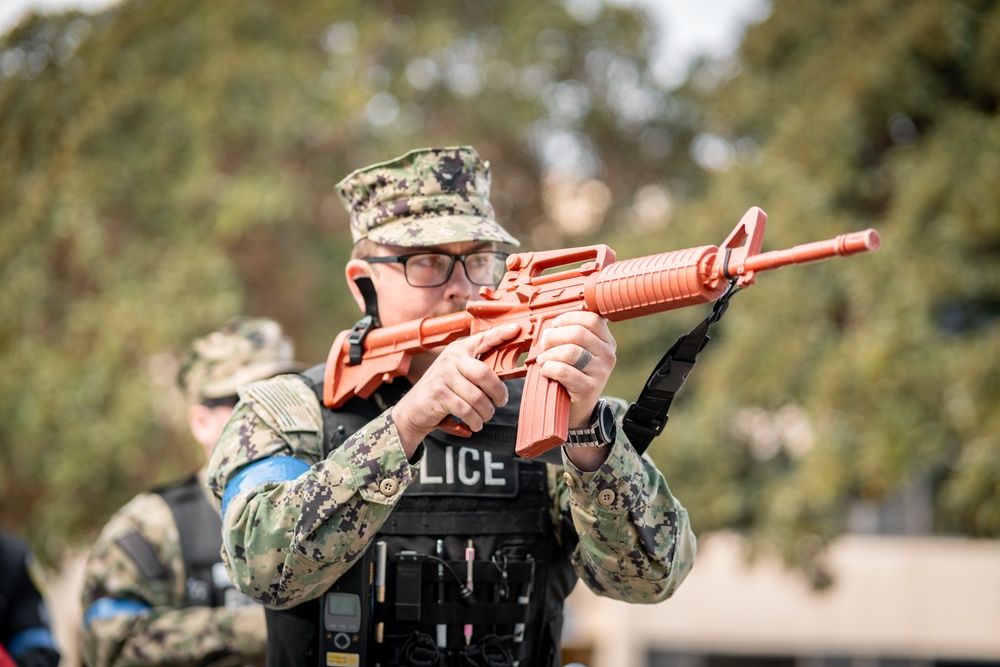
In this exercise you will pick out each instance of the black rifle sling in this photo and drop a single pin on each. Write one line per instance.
(646, 418)
(364, 326)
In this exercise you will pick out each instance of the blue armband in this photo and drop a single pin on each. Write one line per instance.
(266, 471)
(31, 639)
(110, 607)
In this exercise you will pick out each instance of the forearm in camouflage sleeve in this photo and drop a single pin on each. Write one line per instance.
(194, 635)
(636, 542)
(287, 541)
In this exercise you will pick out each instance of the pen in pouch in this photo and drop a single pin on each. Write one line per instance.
(442, 629)
(470, 556)
(380, 555)
(525, 599)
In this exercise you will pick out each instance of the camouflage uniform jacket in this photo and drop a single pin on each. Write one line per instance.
(132, 618)
(294, 521)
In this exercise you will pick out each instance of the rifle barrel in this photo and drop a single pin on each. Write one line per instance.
(846, 244)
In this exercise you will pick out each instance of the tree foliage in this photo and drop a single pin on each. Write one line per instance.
(166, 164)
(842, 385)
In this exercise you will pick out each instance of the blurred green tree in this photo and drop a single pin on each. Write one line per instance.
(833, 388)
(165, 164)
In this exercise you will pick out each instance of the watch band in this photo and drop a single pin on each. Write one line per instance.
(584, 437)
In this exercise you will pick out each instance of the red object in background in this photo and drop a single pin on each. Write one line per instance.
(5, 659)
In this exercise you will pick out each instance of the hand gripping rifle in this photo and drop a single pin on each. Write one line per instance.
(364, 357)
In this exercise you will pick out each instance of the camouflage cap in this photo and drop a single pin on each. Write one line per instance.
(243, 350)
(430, 196)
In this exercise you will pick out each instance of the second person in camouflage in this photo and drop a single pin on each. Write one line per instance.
(155, 591)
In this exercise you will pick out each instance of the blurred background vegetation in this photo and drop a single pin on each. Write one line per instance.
(167, 164)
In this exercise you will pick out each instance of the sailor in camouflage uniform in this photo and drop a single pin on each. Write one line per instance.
(306, 492)
(156, 592)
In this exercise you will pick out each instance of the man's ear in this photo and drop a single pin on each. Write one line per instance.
(200, 422)
(354, 269)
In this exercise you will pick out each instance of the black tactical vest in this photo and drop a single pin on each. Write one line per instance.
(469, 489)
(200, 527)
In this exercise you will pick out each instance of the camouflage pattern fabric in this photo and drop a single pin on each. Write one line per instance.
(244, 349)
(160, 631)
(287, 542)
(427, 197)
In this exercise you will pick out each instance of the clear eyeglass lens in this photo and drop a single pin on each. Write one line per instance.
(427, 270)
(485, 268)
(433, 269)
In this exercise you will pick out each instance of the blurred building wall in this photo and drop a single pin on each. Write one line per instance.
(896, 600)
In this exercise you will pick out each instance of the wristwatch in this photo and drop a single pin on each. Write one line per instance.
(602, 430)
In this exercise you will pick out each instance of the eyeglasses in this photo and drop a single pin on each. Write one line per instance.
(433, 269)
